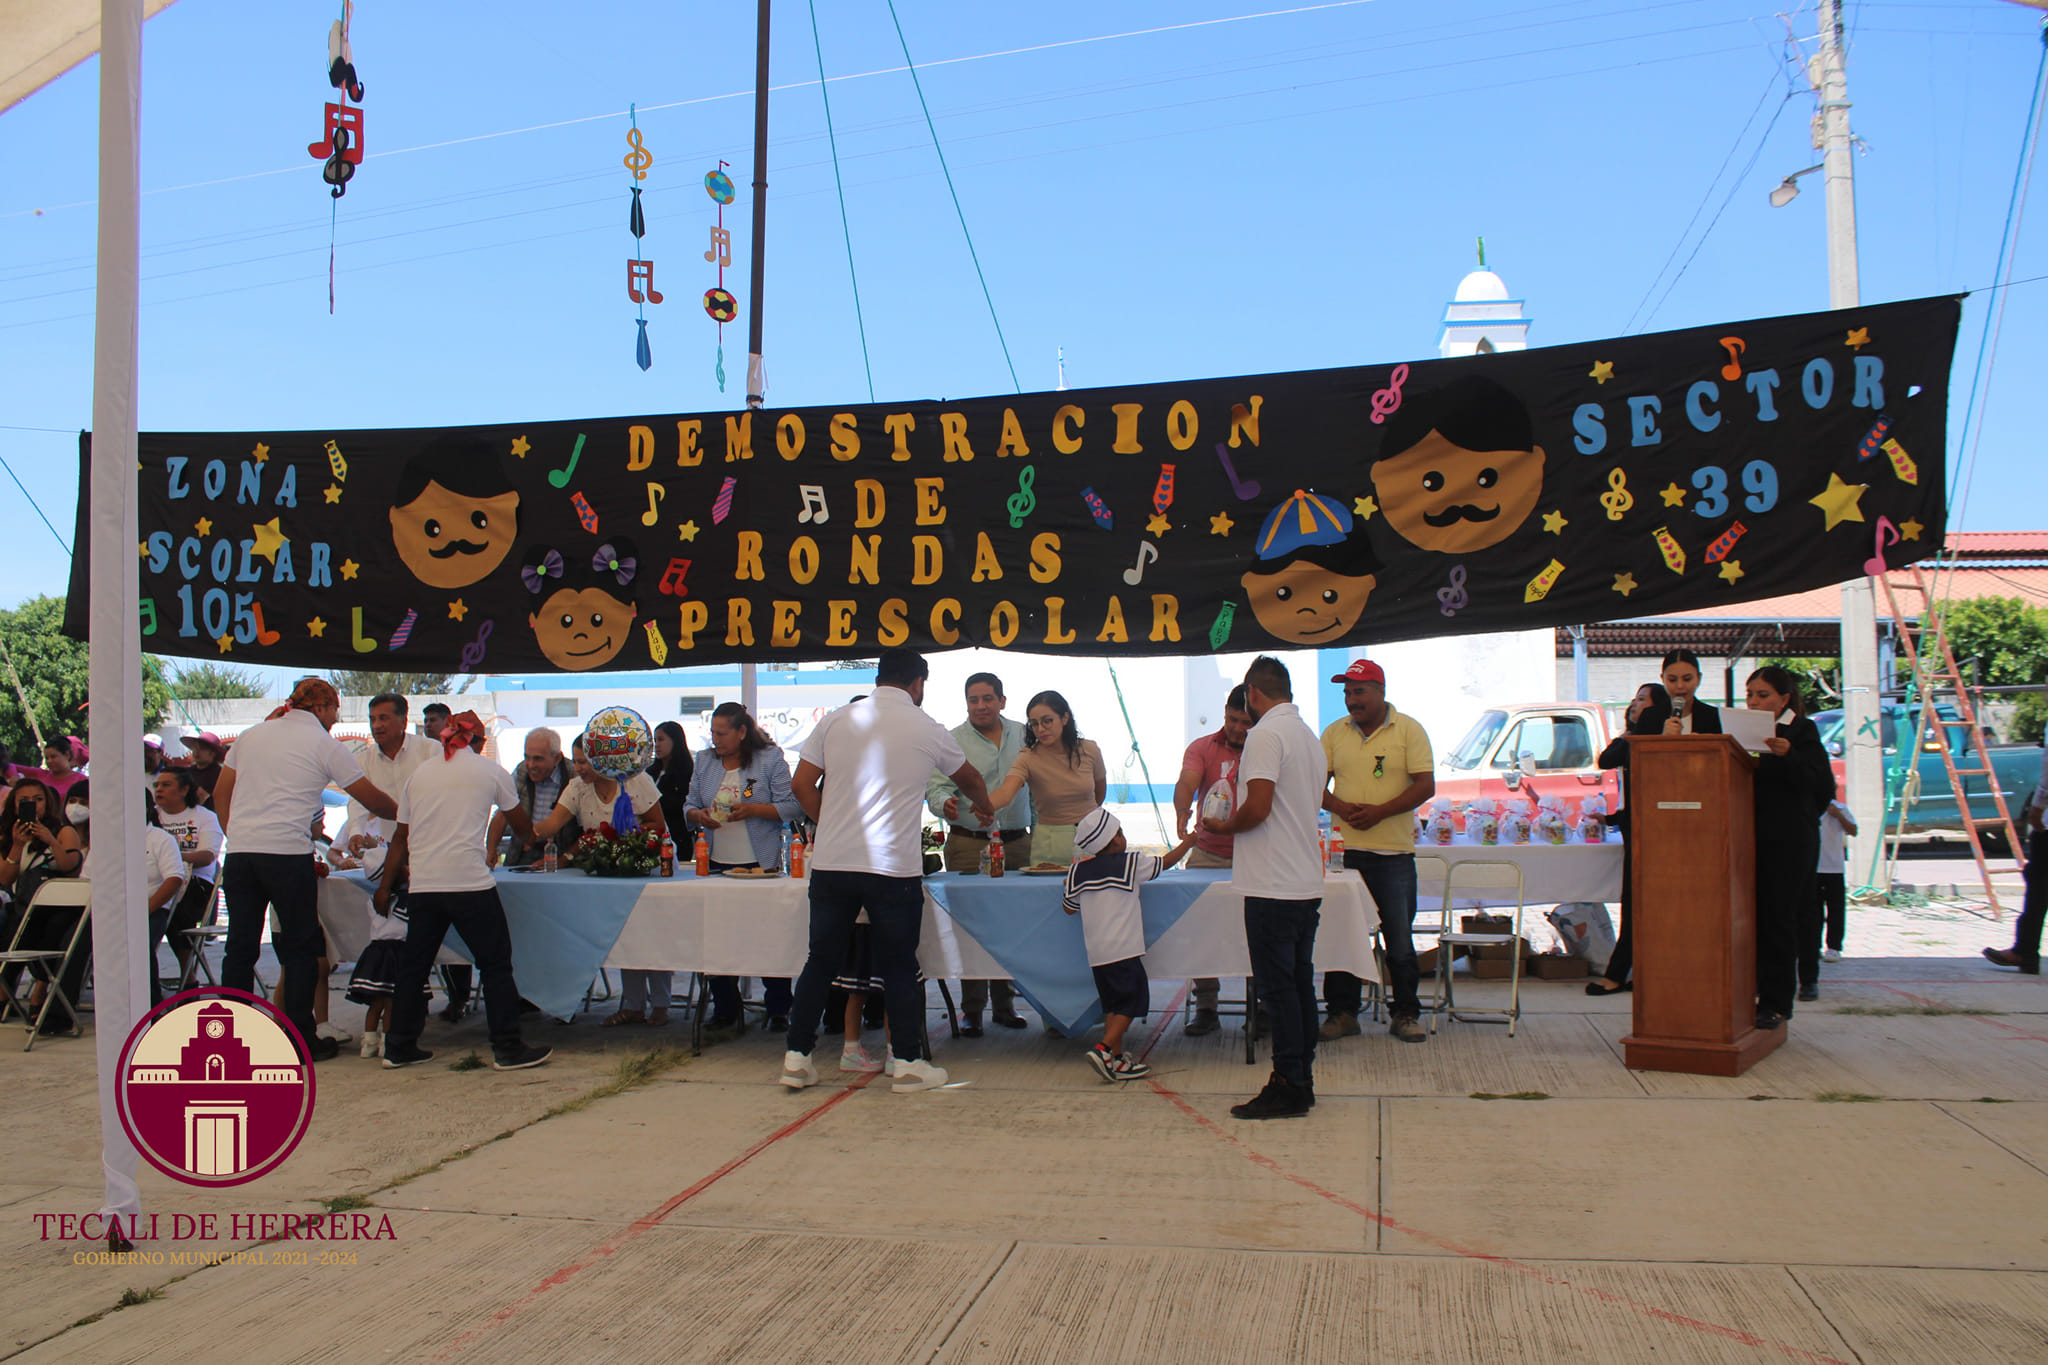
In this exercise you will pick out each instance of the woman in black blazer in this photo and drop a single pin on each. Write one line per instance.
(1794, 784)
(671, 772)
(1646, 716)
(1687, 716)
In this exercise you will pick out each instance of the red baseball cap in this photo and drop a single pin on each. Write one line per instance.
(1362, 670)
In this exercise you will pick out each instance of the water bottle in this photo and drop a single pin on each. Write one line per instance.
(984, 859)
(995, 853)
(548, 856)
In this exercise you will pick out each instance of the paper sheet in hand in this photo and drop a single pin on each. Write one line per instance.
(1750, 728)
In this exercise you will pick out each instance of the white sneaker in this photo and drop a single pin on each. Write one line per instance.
(373, 1043)
(913, 1076)
(1831, 956)
(797, 1071)
(339, 1035)
(855, 1058)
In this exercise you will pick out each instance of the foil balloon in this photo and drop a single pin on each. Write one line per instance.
(618, 742)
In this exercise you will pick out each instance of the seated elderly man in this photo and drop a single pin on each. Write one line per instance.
(539, 781)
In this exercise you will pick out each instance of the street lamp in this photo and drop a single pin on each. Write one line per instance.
(1787, 189)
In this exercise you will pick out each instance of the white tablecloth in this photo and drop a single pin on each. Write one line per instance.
(1551, 873)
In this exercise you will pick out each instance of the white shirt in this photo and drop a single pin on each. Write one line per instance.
(1113, 917)
(1834, 840)
(446, 808)
(592, 810)
(281, 766)
(1281, 856)
(730, 842)
(160, 861)
(390, 775)
(193, 828)
(876, 755)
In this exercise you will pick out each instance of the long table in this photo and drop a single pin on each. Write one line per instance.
(566, 925)
(1551, 873)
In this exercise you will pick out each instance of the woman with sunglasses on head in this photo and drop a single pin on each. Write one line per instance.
(1065, 773)
(1647, 713)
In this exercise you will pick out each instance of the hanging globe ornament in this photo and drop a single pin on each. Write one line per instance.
(718, 185)
(618, 742)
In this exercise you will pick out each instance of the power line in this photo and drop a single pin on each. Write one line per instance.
(846, 230)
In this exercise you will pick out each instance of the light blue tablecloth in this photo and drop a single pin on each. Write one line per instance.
(1019, 920)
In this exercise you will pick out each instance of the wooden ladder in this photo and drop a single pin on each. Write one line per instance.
(1932, 668)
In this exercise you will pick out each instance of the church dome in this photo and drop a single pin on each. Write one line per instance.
(1481, 286)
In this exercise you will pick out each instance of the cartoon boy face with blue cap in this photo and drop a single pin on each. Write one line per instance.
(1312, 579)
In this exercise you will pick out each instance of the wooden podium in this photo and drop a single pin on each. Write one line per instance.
(1692, 833)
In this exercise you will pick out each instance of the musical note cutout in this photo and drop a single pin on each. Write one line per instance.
(814, 512)
(638, 273)
(721, 506)
(1617, 499)
(404, 631)
(1023, 502)
(1220, 632)
(639, 159)
(1724, 544)
(1734, 346)
(263, 636)
(1454, 599)
(1885, 534)
(356, 639)
(585, 513)
(672, 578)
(148, 605)
(721, 247)
(560, 477)
(336, 463)
(655, 493)
(473, 652)
(1386, 402)
(657, 648)
(1540, 586)
(1147, 553)
(1246, 489)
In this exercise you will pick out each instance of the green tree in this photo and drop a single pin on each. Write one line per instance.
(210, 681)
(2003, 642)
(365, 682)
(52, 670)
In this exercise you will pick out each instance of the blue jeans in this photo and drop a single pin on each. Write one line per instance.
(1281, 939)
(895, 907)
(1390, 877)
(253, 882)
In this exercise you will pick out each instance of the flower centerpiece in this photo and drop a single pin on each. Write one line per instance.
(605, 852)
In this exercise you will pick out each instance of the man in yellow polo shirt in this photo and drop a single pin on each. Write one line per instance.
(1381, 768)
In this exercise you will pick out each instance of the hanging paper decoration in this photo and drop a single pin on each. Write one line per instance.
(722, 307)
(639, 270)
(341, 141)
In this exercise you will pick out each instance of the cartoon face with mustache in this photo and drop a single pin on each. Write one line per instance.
(1459, 469)
(455, 513)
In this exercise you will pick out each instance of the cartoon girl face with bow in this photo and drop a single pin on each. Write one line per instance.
(581, 613)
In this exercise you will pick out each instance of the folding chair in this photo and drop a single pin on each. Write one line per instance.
(212, 931)
(47, 964)
(1482, 875)
(1432, 920)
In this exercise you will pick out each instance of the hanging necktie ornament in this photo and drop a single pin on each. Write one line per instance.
(721, 306)
(341, 143)
(639, 269)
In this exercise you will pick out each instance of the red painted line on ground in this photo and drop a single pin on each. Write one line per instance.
(2019, 1035)
(642, 1225)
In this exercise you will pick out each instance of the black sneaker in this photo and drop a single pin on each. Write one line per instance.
(1809, 992)
(323, 1049)
(1770, 1019)
(778, 1023)
(1279, 1100)
(522, 1059)
(396, 1055)
(1203, 1024)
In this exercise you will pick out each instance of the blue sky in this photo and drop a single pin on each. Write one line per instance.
(1161, 195)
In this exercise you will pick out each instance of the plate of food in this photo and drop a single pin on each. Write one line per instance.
(752, 872)
(1046, 870)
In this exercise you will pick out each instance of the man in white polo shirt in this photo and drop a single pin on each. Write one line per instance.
(438, 846)
(1277, 864)
(873, 758)
(267, 800)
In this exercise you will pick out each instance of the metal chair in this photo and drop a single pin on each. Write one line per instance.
(211, 931)
(1482, 875)
(1432, 920)
(47, 964)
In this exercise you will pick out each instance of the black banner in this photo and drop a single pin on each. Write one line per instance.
(1579, 483)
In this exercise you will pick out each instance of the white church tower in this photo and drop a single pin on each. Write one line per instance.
(1481, 318)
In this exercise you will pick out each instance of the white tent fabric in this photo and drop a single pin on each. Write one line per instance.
(119, 898)
(42, 39)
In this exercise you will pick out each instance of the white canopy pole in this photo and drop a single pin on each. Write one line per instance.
(120, 934)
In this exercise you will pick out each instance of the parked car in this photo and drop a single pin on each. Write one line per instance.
(1540, 748)
(1918, 781)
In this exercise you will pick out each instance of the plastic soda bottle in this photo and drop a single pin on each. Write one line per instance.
(995, 853)
(668, 855)
(799, 852)
(703, 854)
(548, 856)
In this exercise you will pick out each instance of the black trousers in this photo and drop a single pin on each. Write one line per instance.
(479, 917)
(2026, 935)
(172, 921)
(253, 883)
(1623, 960)
(1833, 889)
(1784, 893)
(1280, 937)
(895, 907)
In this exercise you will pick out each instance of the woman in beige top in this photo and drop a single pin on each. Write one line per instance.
(1065, 774)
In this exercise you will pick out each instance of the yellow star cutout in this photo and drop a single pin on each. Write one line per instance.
(1858, 338)
(456, 610)
(1554, 523)
(316, 626)
(1159, 525)
(520, 447)
(687, 531)
(262, 453)
(142, 549)
(204, 526)
(1624, 583)
(1602, 371)
(348, 568)
(1731, 569)
(1220, 524)
(269, 539)
(333, 492)
(1365, 507)
(1839, 501)
(226, 642)
(1910, 530)
(1674, 496)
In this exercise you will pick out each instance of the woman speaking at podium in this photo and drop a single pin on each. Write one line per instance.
(1794, 784)
(1688, 715)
